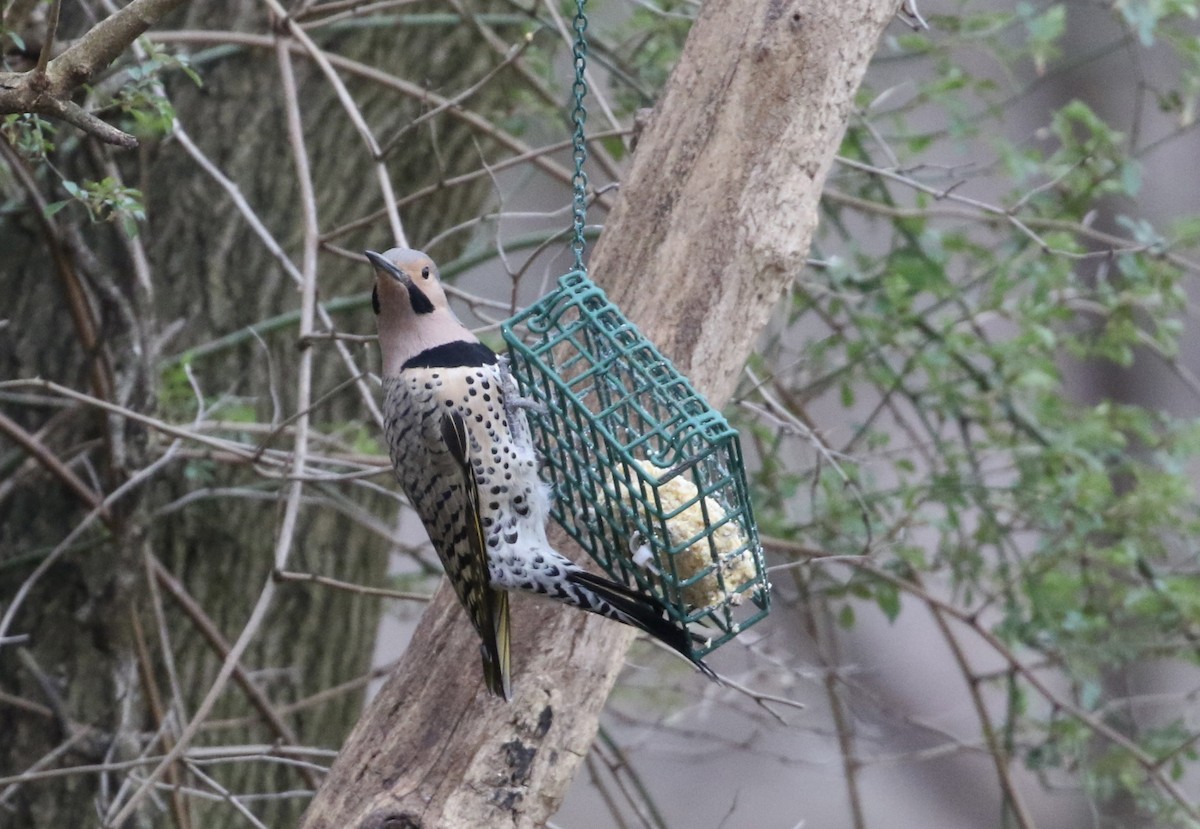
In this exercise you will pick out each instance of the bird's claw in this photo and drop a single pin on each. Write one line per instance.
(641, 554)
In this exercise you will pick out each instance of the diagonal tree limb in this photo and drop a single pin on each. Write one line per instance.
(715, 217)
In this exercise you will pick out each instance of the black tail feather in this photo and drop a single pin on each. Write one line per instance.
(644, 612)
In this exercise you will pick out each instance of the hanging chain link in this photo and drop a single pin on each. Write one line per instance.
(579, 181)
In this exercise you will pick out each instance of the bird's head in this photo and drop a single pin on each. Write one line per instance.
(406, 282)
(411, 308)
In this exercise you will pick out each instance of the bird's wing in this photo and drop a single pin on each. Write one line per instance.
(488, 607)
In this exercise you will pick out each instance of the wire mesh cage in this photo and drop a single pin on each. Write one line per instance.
(647, 477)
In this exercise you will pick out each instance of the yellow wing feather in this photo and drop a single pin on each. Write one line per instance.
(488, 607)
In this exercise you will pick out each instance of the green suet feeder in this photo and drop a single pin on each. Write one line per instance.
(647, 477)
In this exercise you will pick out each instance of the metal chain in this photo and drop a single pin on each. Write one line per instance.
(579, 182)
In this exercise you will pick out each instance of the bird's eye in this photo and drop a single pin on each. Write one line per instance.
(425, 272)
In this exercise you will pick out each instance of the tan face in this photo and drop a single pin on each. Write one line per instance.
(406, 282)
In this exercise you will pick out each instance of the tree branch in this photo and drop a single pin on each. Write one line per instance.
(47, 89)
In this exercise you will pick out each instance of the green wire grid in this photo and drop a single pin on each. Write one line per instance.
(605, 403)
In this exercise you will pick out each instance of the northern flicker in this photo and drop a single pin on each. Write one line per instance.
(462, 452)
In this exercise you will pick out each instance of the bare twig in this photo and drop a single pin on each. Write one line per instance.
(158, 713)
(205, 708)
(237, 449)
(996, 215)
(51, 31)
(360, 589)
(36, 770)
(300, 447)
(227, 796)
(635, 792)
(843, 724)
(763, 700)
(348, 687)
(197, 754)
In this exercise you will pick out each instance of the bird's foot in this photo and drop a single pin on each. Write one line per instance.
(641, 554)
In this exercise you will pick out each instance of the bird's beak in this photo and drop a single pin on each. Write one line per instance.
(384, 266)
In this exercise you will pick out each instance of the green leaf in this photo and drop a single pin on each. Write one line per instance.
(845, 616)
(888, 599)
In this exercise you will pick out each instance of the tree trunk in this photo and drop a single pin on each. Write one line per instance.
(715, 217)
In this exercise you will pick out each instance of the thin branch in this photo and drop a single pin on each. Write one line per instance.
(237, 449)
(51, 32)
(165, 645)
(158, 714)
(514, 53)
(360, 589)
(303, 395)
(313, 700)
(1000, 758)
(308, 296)
(227, 796)
(651, 816)
(993, 214)
(207, 754)
(826, 645)
(764, 701)
(39, 768)
(283, 548)
(249, 630)
(82, 316)
(25, 705)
